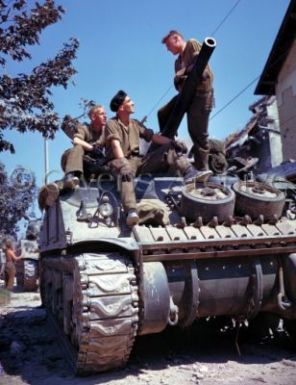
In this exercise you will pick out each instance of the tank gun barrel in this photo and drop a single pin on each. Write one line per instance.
(187, 93)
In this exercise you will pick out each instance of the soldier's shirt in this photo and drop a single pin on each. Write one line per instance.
(185, 60)
(128, 136)
(90, 135)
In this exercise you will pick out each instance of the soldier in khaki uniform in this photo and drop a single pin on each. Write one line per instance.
(199, 111)
(88, 139)
(122, 145)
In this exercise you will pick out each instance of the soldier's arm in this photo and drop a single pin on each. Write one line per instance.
(194, 48)
(14, 256)
(83, 143)
(81, 138)
(116, 148)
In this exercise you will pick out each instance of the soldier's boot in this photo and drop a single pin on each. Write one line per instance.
(132, 217)
(71, 181)
(193, 175)
(201, 158)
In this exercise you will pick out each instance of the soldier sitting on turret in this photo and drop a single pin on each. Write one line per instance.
(122, 147)
(87, 156)
(88, 146)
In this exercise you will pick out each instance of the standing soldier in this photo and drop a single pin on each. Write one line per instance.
(10, 269)
(201, 106)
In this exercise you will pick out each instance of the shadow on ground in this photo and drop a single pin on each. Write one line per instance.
(30, 350)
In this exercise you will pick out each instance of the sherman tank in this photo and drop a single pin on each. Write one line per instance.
(222, 248)
(28, 267)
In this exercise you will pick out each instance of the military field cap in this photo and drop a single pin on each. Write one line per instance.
(117, 100)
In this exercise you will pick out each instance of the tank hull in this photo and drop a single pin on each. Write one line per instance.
(103, 283)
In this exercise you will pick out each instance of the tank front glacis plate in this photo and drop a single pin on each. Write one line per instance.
(62, 226)
(82, 230)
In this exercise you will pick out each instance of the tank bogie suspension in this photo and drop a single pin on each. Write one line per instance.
(179, 292)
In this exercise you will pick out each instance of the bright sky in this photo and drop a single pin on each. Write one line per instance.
(120, 48)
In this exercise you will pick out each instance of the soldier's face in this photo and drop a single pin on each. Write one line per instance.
(128, 105)
(99, 118)
(173, 45)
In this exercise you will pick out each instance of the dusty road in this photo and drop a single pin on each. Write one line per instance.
(31, 354)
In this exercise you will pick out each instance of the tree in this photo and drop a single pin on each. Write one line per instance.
(17, 193)
(25, 103)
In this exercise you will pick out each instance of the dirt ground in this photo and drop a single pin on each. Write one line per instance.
(30, 354)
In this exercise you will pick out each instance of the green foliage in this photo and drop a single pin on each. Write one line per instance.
(17, 193)
(25, 103)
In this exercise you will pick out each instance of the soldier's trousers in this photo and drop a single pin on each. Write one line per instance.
(72, 159)
(197, 121)
(164, 159)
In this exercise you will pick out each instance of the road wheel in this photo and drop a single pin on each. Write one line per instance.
(256, 198)
(207, 201)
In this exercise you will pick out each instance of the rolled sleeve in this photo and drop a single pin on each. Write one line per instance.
(112, 137)
(111, 133)
(80, 132)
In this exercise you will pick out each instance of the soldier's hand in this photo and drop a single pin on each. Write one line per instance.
(124, 169)
(97, 151)
(96, 145)
(126, 174)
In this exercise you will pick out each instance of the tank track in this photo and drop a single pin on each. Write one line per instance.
(93, 300)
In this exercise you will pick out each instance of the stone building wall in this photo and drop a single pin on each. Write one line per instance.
(286, 99)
